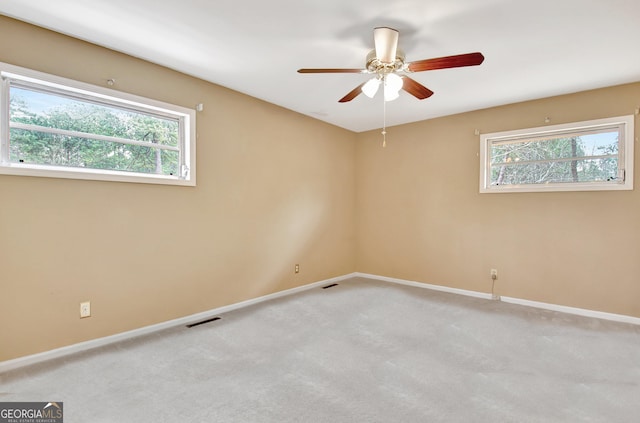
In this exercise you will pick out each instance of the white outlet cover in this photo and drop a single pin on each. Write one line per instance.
(85, 309)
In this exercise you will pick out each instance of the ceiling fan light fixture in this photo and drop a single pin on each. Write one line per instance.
(392, 86)
(370, 88)
(390, 95)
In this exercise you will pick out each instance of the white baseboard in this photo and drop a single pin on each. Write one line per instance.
(573, 310)
(459, 291)
(7, 365)
(487, 296)
(94, 343)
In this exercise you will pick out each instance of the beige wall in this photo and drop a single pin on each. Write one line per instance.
(420, 216)
(275, 188)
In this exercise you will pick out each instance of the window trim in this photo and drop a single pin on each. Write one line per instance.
(100, 95)
(625, 154)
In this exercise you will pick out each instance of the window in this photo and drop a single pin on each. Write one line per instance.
(55, 127)
(583, 156)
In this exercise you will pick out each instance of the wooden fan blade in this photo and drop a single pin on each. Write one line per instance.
(352, 94)
(332, 71)
(461, 60)
(416, 89)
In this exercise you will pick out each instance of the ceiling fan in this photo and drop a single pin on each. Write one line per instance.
(387, 65)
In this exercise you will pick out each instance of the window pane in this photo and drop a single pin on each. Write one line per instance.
(31, 147)
(61, 128)
(582, 170)
(598, 144)
(53, 110)
(556, 148)
(549, 159)
(592, 155)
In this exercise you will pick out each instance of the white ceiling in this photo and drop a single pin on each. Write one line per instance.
(533, 49)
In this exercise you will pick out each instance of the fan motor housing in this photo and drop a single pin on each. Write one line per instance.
(376, 66)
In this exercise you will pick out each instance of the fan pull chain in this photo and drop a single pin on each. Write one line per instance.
(384, 123)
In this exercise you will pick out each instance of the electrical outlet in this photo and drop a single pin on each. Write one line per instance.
(494, 274)
(85, 309)
(297, 269)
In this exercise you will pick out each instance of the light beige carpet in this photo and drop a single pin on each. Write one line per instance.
(362, 351)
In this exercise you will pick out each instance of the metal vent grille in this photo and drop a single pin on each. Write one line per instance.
(213, 319)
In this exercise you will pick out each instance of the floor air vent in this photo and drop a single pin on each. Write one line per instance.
(213, 319)
(330, 286)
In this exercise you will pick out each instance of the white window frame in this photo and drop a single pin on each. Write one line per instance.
(100, 95)
(625, 156)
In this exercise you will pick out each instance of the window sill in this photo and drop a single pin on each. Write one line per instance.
(92, 175)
